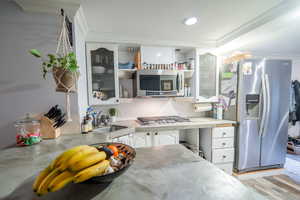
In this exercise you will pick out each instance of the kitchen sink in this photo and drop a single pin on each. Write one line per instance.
(107, 129)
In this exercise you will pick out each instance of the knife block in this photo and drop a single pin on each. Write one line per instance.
(47, 129)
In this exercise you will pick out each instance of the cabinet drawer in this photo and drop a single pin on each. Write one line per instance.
(218, 143)
(222, 155)
(226, 167)
(223, 132)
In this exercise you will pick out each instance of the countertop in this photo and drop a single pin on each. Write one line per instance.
(165, 172)
(202, 122)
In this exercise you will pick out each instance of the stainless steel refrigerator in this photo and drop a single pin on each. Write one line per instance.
(257, 93)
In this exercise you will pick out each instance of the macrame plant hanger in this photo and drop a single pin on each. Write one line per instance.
(64, 48)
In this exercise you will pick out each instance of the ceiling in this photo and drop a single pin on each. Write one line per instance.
(162, 19)
(279, 37)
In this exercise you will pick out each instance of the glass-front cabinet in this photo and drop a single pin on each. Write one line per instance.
(102, 71)
(207, 78)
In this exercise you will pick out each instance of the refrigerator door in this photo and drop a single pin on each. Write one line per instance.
(249, 108)
(277, 75)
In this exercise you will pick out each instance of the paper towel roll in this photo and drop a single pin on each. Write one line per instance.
(202, 107)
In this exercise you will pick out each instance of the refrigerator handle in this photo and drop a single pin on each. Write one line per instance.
(267, 84)
(261, 128)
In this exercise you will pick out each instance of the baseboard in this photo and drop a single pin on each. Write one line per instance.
(258, 173)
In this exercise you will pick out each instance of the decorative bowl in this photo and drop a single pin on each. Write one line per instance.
(127, 162)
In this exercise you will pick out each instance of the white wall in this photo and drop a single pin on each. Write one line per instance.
(22, 88)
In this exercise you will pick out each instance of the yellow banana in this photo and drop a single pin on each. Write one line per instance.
(40, 178)
(77, 157)
(88, 161)
(95, 170)
(67, 155)
(43, 188)
(60, 181)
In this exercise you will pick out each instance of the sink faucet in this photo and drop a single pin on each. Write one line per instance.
(98, 119)
(104, 120)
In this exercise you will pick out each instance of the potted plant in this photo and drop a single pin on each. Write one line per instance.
(63, 68)
(113, 113)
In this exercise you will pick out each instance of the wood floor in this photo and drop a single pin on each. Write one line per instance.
(278, 187)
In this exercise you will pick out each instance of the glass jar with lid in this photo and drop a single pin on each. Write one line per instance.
(28, 131)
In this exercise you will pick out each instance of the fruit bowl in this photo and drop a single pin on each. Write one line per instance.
(129, 155)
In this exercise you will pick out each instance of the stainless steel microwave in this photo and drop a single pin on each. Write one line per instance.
(160, 83)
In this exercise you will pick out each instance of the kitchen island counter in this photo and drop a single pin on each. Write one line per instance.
(165, 172)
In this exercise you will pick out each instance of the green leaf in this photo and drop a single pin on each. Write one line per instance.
(52, 58)
(35, 53)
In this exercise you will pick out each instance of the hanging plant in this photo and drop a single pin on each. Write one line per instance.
(62, 64)
(52, 61)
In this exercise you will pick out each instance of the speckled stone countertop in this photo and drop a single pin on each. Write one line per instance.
(202, 122)
(165, 172)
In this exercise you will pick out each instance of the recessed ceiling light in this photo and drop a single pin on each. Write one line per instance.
(190, 21)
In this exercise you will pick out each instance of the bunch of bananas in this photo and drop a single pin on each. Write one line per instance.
(76, 165)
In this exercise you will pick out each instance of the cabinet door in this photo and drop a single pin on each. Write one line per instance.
(207, 75)
(126, 139)
(165, 138)
(141, 139)
(157, 55)
(102, 73)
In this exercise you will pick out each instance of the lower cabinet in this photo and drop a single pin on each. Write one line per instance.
(149, 139)
(141, 139)
(217, 145)
(165, 138)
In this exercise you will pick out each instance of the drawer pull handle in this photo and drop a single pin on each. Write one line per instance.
(224, 143)
(224, 156)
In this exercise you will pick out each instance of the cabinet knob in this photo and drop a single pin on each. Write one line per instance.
(148, 133)
(224, 156)
(156, 133)
(224, 143)
(117, 100)
(224, 134)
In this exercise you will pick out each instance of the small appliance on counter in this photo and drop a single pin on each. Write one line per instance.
(28, 131)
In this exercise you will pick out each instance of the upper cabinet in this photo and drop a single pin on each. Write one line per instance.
(157, 55)
(102, 73)
(207, 78)
(113, 72)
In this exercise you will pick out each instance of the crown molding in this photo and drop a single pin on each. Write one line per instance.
(109, 37)
(49, 6)
(279, 10)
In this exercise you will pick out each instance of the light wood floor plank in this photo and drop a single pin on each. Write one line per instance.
(278, 187)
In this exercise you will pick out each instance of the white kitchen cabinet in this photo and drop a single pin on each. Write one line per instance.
(206, 77)
(151, 139)
(165, 138)
(157, 55)
(141, 139)
(102, 73)
(217, 145)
